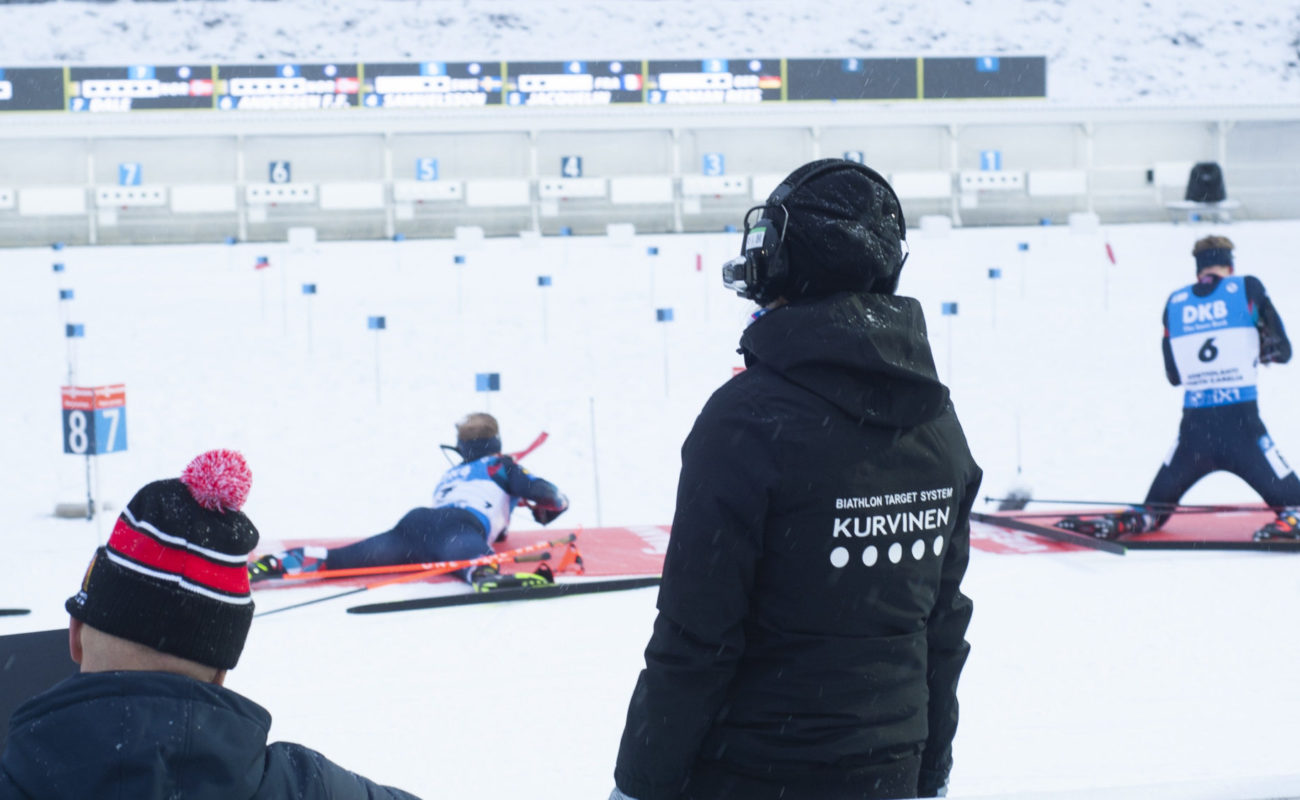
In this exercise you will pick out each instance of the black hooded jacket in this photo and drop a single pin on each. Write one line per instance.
(147, 735)
(811, 626)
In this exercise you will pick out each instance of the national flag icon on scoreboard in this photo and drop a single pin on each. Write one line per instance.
(543, 280)
(65, 294)
(487, 382)
(309, 288)
(376, 323)
(74, 330)
(663, 315)
(262, 262)
(950, 309)
(995, 273)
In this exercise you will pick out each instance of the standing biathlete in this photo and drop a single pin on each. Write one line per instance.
(472, 504)
(1217, 332)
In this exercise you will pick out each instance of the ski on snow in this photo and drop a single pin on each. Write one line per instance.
(1050, 532)
(510, 595)
(1120, 547)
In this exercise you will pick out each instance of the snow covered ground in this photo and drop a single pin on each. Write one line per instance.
(1087, 670)
(1110, 52)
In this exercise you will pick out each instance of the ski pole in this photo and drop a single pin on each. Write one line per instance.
(1158, 507)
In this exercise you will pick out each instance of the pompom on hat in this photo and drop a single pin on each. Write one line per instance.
(174, 574)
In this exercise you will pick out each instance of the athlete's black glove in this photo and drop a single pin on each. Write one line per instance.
(545, 516)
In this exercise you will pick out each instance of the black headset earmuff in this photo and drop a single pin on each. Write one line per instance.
(761, 271)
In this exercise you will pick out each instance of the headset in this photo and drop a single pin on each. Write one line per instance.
(761, 270)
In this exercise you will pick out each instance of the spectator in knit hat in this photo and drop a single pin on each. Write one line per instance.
(162, 614)
(811, 626)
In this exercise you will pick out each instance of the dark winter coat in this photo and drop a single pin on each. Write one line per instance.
(146, 735)
(811, 626)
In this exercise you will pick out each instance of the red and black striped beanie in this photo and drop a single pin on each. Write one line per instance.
(174, 574)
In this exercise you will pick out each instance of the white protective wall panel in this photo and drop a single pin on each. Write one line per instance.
(204, 199)
(352, 196)
(1172, 174)
(497, 193)
(762, 186)
(427, 191)
(51, 201)
(1057, 182)
(641, 189)
(130, 196)
(716, 185)
(924, 185)
(571, 188)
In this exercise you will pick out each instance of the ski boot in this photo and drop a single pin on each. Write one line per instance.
(294, 560)
(1286, 527)
(1106, 526)
(265, 568)
(490, 579)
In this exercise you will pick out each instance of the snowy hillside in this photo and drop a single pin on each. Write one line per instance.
(1189, 52)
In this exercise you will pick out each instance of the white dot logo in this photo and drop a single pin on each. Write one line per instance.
(938, 545)
(895, 552)
(839, 557)
(870, 556)
(918, 549)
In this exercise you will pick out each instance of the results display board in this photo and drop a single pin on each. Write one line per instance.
(471, 84)
(294, 87)
(573, 83)
(31, 89)
(432, 84)
(94, 89)
(714, 81)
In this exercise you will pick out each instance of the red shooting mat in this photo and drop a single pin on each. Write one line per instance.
(635, 550)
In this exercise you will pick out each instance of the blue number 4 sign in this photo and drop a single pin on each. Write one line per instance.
(128, 174)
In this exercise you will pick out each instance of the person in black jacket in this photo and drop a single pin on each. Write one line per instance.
(162, 614)
(811, 626)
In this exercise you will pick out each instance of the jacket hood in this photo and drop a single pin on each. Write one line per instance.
(137, 734)
(867, 354)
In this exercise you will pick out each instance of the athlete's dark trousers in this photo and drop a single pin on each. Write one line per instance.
(1231, 438)
(423, 535)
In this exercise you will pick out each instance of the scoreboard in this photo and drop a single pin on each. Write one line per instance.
(434, 85)
(31, 89)
(573, 83)
(715, 81)
(292, 87)
(115, 89)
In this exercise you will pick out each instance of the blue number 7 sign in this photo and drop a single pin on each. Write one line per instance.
(128, 174)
